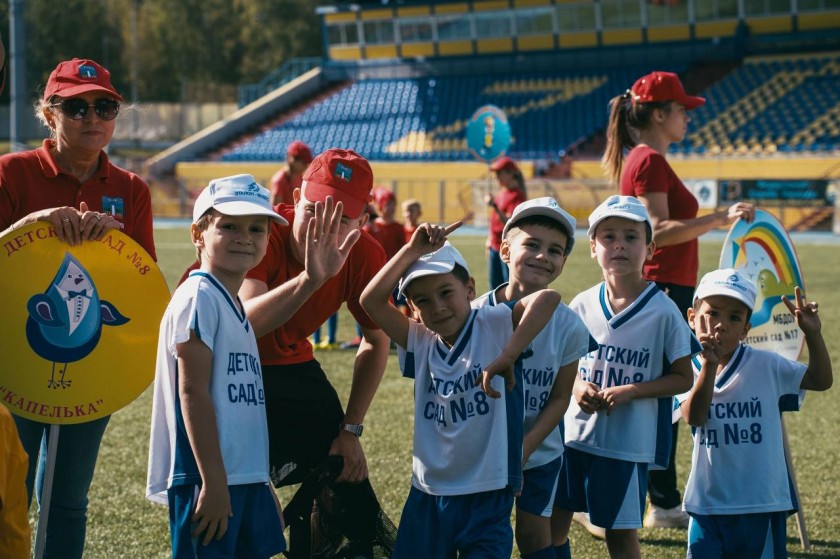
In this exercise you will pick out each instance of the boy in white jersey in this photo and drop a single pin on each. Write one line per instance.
(536, 241)
(208, 457)
(467, 446)
(619, 421)
(738, 493)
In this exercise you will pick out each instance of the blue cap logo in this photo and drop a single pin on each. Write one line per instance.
(87, 72)
(343, 172)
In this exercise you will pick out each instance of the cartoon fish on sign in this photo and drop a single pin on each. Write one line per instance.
(65, 322)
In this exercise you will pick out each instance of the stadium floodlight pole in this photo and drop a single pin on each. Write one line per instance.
(135, 73)
(17, 67)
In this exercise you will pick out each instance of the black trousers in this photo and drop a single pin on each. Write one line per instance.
(304, 414)
(662, 484)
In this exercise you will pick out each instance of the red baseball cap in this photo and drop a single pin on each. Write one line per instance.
(663, 86)
(382, 196)
(343, 174)
(503, 163)
(299, 150)
(77, 76)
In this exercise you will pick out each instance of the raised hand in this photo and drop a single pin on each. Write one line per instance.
(326, 252)
(429, 237)
(805, 313)
(709, 340)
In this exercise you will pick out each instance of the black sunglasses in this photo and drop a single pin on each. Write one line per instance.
(77, 108)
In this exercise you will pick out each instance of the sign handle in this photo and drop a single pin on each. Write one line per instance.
(804, 540)
(46, 492)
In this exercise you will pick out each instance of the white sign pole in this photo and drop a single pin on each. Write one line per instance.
(46, 492)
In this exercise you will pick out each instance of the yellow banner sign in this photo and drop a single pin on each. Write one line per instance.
(80, 325)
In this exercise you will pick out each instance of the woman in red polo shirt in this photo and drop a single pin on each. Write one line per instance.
(70, 183)
(511, 194)
(646, 119)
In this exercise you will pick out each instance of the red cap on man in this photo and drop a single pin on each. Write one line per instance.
(77, 76)
(504, 163)
(663, 86)
(299, 150)
(343, 174)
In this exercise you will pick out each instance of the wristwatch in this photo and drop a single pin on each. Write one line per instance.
(354, 428)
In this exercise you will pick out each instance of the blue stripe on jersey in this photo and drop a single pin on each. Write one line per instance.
(185, 468)
(637, 305)
(603, 298)
(734, 363)
(215, 283)
(515, 414)
(408, 366)
(789, 402)
(664, 417)
(466, 333)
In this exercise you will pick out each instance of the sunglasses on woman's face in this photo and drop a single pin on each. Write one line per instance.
(77, 108)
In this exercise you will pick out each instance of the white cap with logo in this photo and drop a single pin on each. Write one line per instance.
(627, 207)
(548, 207)
(441, 261)
(728, 282)
(236, 195)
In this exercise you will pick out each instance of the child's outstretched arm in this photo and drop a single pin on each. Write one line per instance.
(695, 409)
(376, 296)
(818, 376)
(195, 363)
(530, 315)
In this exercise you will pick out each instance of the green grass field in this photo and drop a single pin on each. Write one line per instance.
(123, 524)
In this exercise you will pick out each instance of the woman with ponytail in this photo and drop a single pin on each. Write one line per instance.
(645, 120)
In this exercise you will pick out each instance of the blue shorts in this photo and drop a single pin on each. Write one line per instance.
(538, 488)
(741, 536)
(612, 491)
(475, 526)
(255, 529)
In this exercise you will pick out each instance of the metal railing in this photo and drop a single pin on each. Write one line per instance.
(288, 71)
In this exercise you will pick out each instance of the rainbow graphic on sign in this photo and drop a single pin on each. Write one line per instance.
(764, 252)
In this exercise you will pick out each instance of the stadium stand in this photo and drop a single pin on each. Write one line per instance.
(771, 104)
(400, 81)
(424, 118)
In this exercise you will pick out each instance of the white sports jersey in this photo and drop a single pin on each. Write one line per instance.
(738, 462)
(634, 346)
(201, 304)
(564, 339)
(464, 441)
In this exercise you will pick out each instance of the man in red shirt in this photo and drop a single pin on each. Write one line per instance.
(286, 300)
(287, 179)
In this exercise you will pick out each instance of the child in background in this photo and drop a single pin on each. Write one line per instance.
(467, 447)
(738, 493)
(209, 389)
(385, 228)
(536, 241)
(619, 422)
(290, 176)
(411, 213)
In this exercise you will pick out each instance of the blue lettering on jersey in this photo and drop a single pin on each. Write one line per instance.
(464, 383)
